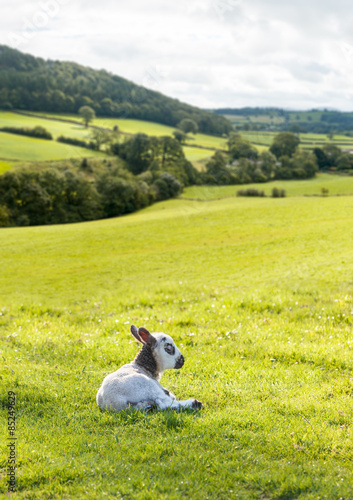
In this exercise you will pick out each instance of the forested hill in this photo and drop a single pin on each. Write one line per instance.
(33, 84)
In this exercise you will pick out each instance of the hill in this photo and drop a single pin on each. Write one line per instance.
(34, 84)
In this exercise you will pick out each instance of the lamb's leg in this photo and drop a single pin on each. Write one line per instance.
(170, 403)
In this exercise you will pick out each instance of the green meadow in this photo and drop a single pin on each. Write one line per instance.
(150, 128)
(258, 295)
(17, 147)
(14, 147)
(335, 184)
(307, 140)
(130, 126)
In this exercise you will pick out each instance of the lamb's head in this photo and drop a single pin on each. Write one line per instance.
(162, 346)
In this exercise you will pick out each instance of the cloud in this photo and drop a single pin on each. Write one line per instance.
(209, 53)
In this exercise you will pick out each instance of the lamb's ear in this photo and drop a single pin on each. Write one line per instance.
(146, 337)
(135, 333)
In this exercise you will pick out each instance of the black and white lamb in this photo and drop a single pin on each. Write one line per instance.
(136, 384)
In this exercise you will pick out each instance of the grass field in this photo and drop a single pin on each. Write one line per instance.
(334, 183)
(25, 148)
(56, 128)
(17, 147)
(307, 141)
(258, 295)
(151, 128)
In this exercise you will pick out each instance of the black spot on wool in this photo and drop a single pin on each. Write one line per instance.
(145, 360)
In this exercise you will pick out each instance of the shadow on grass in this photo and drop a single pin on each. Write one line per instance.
(170, 419)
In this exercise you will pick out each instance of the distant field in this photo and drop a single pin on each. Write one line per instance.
(78, 131)
(261, 140)
(56, 128)
(150, 128)
(307, 141)
(196, 154)
(17, 147)
(334, 183)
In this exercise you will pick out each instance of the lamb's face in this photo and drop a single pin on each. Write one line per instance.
(166, 352)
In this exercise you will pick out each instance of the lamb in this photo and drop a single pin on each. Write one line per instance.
(136, 384)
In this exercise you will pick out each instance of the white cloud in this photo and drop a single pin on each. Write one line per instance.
(209, 53)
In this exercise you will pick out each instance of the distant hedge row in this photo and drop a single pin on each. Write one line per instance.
(76, 142)
(38, 132)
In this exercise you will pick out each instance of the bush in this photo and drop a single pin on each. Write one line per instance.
(38, 132)
(278, 193)
(250, 192)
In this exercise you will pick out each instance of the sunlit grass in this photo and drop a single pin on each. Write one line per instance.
(336, 185)
(257, 293)
(18, 147)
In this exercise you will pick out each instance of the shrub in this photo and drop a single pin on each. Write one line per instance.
(250, 192)
(278, 193)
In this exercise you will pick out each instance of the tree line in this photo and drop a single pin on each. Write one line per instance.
(284, 160)
(146, 170)
(31, 83)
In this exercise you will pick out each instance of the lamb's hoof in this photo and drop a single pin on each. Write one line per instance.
(197, 405)
(150, 407)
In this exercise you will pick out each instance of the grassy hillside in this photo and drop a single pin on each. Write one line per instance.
(15, 147)
(257, 294)
(336, 185)
(150, 128)
(24, 148)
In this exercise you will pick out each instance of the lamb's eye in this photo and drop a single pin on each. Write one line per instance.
(169, 348)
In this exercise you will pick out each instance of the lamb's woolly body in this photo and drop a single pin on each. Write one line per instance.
(136, 384)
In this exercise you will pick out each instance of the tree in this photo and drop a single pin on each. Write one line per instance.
(180, 136)
(295, 128)
(187, 125)
(100, 136)
(137, 151)
(284, 144)
(267, 164)
(87, 114)
(217, 171)
(240, 148)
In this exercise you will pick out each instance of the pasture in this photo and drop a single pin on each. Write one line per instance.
(308, 141)
(258, 295)
(336, 185)
(130, 126)
(29, 149)
(18, 147)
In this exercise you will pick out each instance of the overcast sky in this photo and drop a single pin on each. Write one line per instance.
(295, 54)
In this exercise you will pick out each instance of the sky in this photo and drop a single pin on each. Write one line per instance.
(210, 53)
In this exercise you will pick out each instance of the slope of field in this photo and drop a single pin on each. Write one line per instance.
(17, 147)
(336, 185)
(258, 295)
(56, 128)
(150, 128)
(54, 123)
